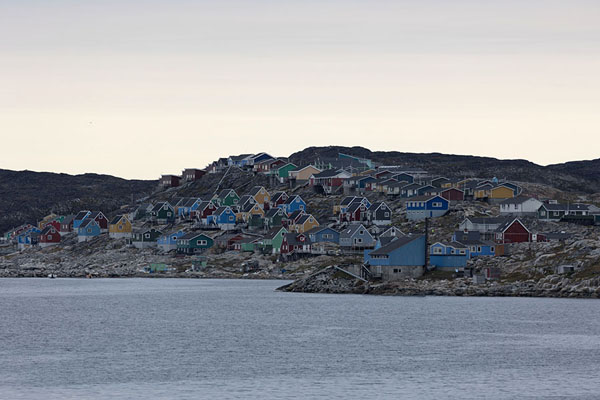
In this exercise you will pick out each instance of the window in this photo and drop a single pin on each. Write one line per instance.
(543, 213)
(492, 249)
(165, 207)
(452, 251)
(387, 214)
(169, 214)
(479, 249)
(437, 250)
(147, 235)
(89, 230)
(462, 251)
(359, 240)
(49, 237)
(231, 218)
(202, 242)
(120, 227)
(361, 232)
(436, 204)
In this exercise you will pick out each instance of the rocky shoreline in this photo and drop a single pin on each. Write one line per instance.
(331, 280)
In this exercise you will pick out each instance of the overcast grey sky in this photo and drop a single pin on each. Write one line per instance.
(140, 88)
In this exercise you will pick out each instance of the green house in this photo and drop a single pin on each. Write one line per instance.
(163, 213)
(272, 240)
(145, 238)
(227, 197)
(256, 221)
(249, 244)
(283, 172)
(193, 243)
(274, 218)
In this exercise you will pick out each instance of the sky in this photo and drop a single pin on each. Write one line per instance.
(138, 89)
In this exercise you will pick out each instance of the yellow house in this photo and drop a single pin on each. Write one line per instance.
(261, 195)
(46, 219)
(502, 192)
(249, 211)
(304, 223)
(304, 174)
(120, 227)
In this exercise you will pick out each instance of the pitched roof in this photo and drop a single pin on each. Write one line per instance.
(509, 221)
(116, 219)
(87, 221)
(425, 198)
(273, 212)
(292, 239)
(271, 233)
(255, 190)
(394, 245)
(351, 230)
(565, 207)
(304, 218)
(221, 210)
(328, 173)
(81, 215)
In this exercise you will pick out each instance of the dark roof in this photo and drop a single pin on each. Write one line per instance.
(271, 233)
(277, 195)
(221, 210)
(565, 207)
(47, 230)
(224, 193)
(254, 191)
(304, 218)
(347, 200)
(292, 238)
(507, 223)
(328, 173)
(240, 157)
(273, 211)
(424, 198)
(86, 222)
(351, 230)
(81, 215)
(116, 219)
(68, 219)
(291, 199)
(394, 245)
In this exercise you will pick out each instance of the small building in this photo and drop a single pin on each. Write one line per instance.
(169, 181)
(187, 206)
(295, 243)
(88, 229)
(145, 238)
(477, 246)
(223, 217)
(192, 174)
(260, 195)
(329, 180)
(513, 231)
(453, 194)
(226, 198)
(283, 172)
(380, 214)
(203, 210)
(163, 213)
(323, 234)
(273, 239)
(556, 211)
(448, 256)
(194, 243)
(278, 199)
(421, 207)
(520, 206)
(120, 227)
(356, 237)
(79, 217)
(168, 242)
(66, 225)
(294, 203)
(303, 174)
(274, 218)
(305, 223)
(49, 236)
(402, 257)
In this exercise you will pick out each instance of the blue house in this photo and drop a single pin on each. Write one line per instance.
(448, 256)
(362, 183)
(401, 258)
(88, 229)
(223, 217)
(169, 241)
(294, 203)
(185, 208)
(323, 234)
(472, 240)
(81, 215)
(404, 177)
(28, 238)
(421, 207)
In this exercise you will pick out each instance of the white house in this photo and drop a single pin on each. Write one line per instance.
(520, 206)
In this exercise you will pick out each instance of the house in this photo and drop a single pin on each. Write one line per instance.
(28, 238)
(395, 189)
(410, 190)
(192, 174)
(303, 174)
(482, 224)
(226, 198)
(278, 199)
(283, 172)
(501, 192)
(323, 234)
(291, 219)
(49, 236)
(520, 206)
(168, 242)
(254, 159)
(203, 210)
(101, 219)
(244, 201)
(448, 256)
(269, 166)
(79, 217)
(356, 237)
(477, 246)
(273, 239)
(392, 231)
(440, 182)
(356, 212)
(428, 190)
(88, 229)
(404, 177)
(514, 231)
(194, 243)
(421, 207)
(143, 211)
(294, 203)
(163, 213)
(295, 243)
(44, 221)
(120, 227)
(452, 194)
(274, 218)
(304, 223)
(66, 225)
(145, 238)
(329, 180)
(260, 195)
(238, 161)
(186, 206)
(403, 257)
(169, 181)
(250, 210)
(380, 214)
(337, 208)
(555, 211)
(223, 217)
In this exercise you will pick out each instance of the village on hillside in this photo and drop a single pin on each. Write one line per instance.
(396, 222)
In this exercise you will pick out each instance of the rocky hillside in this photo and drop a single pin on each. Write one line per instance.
(580, 176)
(26, 196)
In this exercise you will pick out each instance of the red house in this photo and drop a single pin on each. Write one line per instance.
(192, 174)
(205, 209)
(55, 224)
(513, 231)
(49, 236)
(168, 181)
(278, 199)
(295, 243)
(356, 212)
(453, 194)
(100, 219)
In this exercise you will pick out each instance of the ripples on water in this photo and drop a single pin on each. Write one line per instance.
(221, 339)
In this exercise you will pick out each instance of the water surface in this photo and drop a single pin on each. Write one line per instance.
(220, 339)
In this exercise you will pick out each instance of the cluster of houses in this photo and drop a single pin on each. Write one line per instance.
(280, 223)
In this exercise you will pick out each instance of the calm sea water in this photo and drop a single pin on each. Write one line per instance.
(226, 339)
